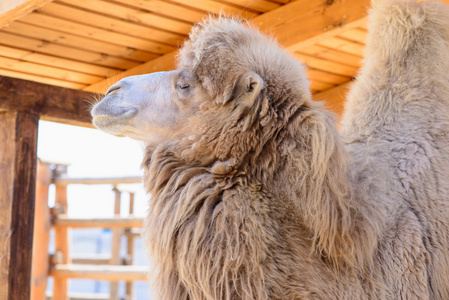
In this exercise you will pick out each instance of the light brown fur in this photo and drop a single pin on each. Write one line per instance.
(254, 194)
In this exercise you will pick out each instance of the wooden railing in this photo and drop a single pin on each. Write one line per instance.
(61, 265)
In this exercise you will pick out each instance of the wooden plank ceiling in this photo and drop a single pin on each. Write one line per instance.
(88, 45)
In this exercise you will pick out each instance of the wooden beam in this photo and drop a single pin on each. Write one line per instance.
(116, 242)
(18, 145)
(334, 98)
(98, 180)
(42, 229)
(91, 259)
(83, 296)
(11, 10)
(104, 272)
(50, 102)
(62, 238)
(62, 221)
(297, 24)
(129, 259)
(304, 23)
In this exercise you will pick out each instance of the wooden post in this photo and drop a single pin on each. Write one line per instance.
(129, 291)
(42, 228)
(115, 244)
(18, 144)
(62, 237)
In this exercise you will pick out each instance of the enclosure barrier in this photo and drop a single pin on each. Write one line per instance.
(61, 265)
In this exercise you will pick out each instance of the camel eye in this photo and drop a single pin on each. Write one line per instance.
(183, 86)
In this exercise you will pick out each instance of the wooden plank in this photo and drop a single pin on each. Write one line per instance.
(57, 62)
(138, 16)
(356, 35)
(216, 7)
(43, 46)
(18, 145)
(168, 9)
(325, 65)
(62, 239)
(98, 180)
(105, 272)
(296, 25)
(163, 63)
(62, 221)
(135, 232)
(52, 72)
(306, 22)
(96, 33)
(256, 5)
(160, 38)
(50, 102)
(129, 260)
(83, 296)
(334, 98)
(332, 55)
(91, 259)
(41, 236)
(343, 45)
(316, 85)
(42, 79)
(73, 41)
(11, 10)
(116, 244)
(326, 77)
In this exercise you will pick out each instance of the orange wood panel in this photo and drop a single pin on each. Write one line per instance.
(11, 10)
(160, 38)
(343, 45)
(332, 55)
(57, 62)
(356, 35)
(325, 65)
(216, 7)
(327, 77)
(134, 15)
(52, 72)
(175, 11)
(95, 33)
(43, 46)
(77, 42)
(42, 79)
(256, 5)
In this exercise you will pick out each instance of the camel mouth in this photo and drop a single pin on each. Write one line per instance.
(118, 118)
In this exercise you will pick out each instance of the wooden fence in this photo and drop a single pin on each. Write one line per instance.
(61, 265)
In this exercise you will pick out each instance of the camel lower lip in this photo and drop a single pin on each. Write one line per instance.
(129, 112)
(103, 121)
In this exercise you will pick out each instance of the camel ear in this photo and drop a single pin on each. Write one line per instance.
(248, 89)
(254, 84)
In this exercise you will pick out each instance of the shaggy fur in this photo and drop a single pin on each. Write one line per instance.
(264, 201)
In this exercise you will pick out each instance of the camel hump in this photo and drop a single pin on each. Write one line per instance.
(401, 30)
(406, 63)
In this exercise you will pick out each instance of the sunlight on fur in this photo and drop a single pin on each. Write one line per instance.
(256, 195)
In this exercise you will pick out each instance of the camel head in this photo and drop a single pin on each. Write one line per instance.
(151, 108)
(231, 82)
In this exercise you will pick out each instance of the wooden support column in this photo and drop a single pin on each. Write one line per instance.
(42, 227)
(62, 236)
(129, 291)
(115, 244)
(18, 143)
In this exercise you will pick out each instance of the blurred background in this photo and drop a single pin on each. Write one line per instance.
(90, 153)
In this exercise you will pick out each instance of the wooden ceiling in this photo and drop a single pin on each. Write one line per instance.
(88, 45)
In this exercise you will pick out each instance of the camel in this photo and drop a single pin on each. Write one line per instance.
(254, 192)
